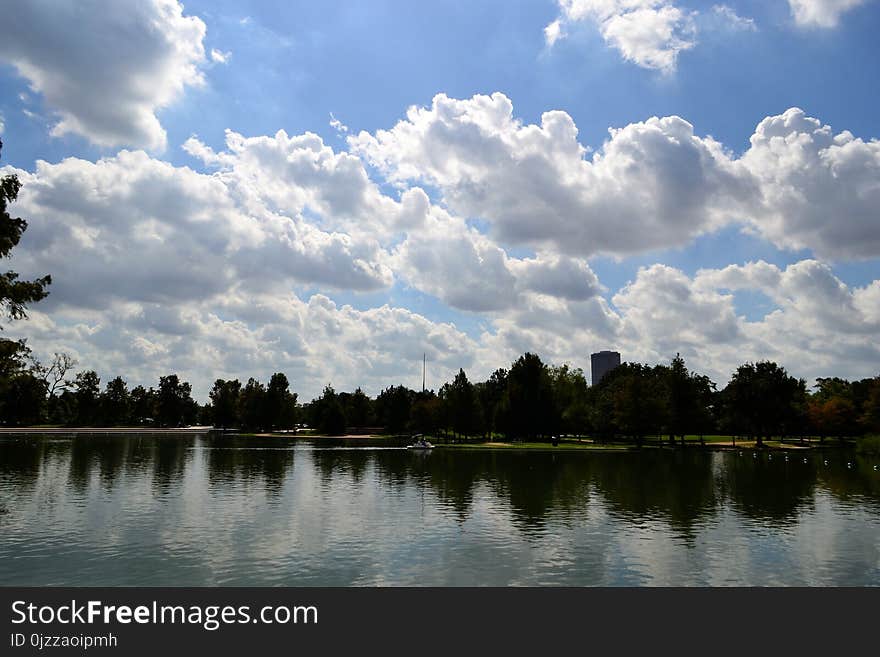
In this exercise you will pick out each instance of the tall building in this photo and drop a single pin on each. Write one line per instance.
(603, 362)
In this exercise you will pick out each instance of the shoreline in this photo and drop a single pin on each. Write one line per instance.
(72, 431)
(715, 443)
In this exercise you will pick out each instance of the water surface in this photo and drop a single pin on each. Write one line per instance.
(180, 511)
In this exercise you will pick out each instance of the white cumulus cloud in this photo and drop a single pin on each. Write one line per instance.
(649, 33)
(105, 67)
(653, 184)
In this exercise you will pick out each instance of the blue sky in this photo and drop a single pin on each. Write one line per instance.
(197, 70)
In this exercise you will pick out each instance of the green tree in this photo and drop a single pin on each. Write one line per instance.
(637, 394)
(280, 403)
(462, 407)
(143, 405)
(570, 398)
(20, 398)
(360, 409)
(252, 406)
(87, 394)
(870, 416)
(115, 402)
(490, 394)
(328, 415)
(225, 396)
(15, 294)
(174, 403)
(764, 400)
(393, 407)
(528, 410)
(688, 399)
(25, 399)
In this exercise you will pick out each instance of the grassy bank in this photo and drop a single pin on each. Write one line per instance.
(563, 446)
(868, 446)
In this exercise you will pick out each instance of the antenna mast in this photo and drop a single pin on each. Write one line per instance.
(424, 365)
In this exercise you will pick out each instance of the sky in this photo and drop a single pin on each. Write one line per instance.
(333, 189)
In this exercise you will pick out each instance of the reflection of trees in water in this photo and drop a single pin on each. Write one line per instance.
(532, 483)
(165, 457)
(170, 455)
(82, 456)
(331, 463)
(675, 486)
(536, 484)
(238, 459)
(111, 458)
(23, 459)
(683, 488)
(859, 483)
(395, 468)
(767, 487)
(452, 480)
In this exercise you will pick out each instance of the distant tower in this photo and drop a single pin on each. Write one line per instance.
(603, 362)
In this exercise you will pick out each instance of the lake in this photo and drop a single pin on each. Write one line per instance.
(201, 510)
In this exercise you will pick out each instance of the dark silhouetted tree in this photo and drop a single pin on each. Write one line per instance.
(393, 407)
(143, 405)
(327, 413)
(637, 399)
(359, 410)
(280, 403)
(115, 403)
(528, 409)
(570, 399)
(54, 374)
(174, 403)
(252, 406)
(25, 400)
(20, 399)
(15, 295)
(490, 394)
(87, 394)
(461, 402)
(764, 400)
(870, 411)
(225, 396)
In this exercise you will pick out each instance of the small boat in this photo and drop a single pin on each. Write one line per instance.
(420, 443)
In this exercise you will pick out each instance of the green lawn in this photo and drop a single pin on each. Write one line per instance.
(537, 446)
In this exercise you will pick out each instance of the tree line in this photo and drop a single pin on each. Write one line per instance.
(534, 401)
(528, 401)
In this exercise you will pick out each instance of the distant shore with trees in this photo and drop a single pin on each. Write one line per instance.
(528, 403)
